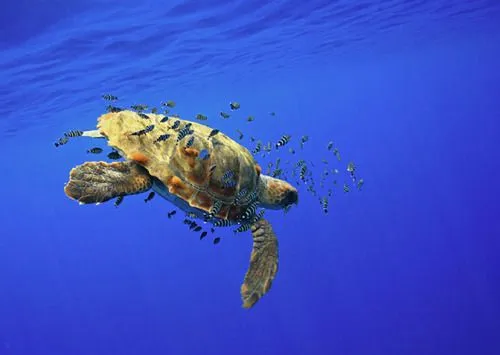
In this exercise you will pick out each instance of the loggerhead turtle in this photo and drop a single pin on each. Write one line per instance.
(164, 154)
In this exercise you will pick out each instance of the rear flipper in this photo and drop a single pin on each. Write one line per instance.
(95, 182)
(263, 264)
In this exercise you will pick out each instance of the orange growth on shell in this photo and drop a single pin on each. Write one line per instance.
(107, 116)
(191, 152)
(139, 158)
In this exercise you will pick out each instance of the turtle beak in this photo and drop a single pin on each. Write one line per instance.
(292, 197)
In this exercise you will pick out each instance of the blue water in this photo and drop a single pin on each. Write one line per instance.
(408, 90)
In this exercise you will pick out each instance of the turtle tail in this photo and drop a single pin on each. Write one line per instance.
(263, 263)
(96, 182)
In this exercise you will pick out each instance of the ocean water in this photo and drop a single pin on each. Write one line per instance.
(407, 90)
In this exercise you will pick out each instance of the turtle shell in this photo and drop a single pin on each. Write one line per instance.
(200, 182)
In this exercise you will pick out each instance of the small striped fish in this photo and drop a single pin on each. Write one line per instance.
(163, 137)
(246, 226)
(118, 200)
(183, 133)
(190, 142)
(213, 133)
(324, 204)
(228, 179)
(223, 223)
(257, 148)
(143, 131)
(73, 133)
(61, 141)
(109, 97)
(283, 140)
(110, 108)
(176, 124)
(216, 208)
(240, 196)
(95, 150)
(250, 211)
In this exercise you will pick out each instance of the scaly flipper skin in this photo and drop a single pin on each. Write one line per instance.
(96, 182)
(263, 263)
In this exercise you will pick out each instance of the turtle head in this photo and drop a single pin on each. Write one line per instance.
(276, 194)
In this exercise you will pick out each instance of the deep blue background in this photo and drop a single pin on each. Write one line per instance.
(408, 90)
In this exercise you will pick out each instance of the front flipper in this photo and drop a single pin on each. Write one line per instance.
(95, 182)
(263, 263)
(93, 134)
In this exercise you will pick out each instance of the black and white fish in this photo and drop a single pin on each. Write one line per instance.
(73, 133)
(176, 124)
(190, 142)
(240, 196)
(249, 211)
(213, 132)
(185, 131)
(61, 141)
(337, 154)
(95, 150)
(223, 223)
(246, 226)
(277, 173)
(228, 179)
(144, 131)
(303, 172)
(118, 200)
(162, 137)
(351, 168)
(139, 107)
(111, 108)
(324, 204)
(257, 148)
(109, 97)
(242, 228)
(150, 196)
(114, 155)
(283, 140)
(303, 140)
(216, 208)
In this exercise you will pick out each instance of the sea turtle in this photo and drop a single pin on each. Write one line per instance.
(164, 154)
